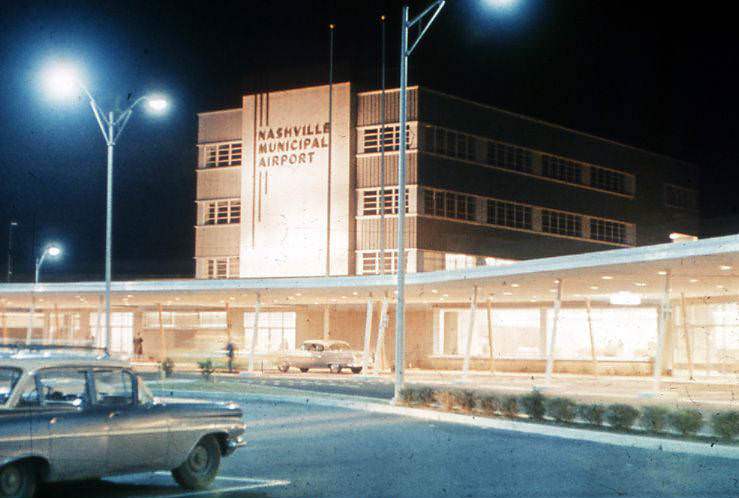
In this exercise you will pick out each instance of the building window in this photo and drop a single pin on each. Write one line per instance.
(508, 157)
(680, 197)
(275, 331)
(450, 205)
(449, 143)
(606, 179)
(372, 206)
(561, 169)
(609, 231)
(371, 262)
(223, 212)
(226, 154)
(185, 320)
(508, 214)
(392, 138)
(561, 223)
(222, 267)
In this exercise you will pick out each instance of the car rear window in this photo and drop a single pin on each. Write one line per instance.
(8, 379)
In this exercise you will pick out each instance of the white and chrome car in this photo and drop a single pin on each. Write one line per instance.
(320, 353)
(71, 417)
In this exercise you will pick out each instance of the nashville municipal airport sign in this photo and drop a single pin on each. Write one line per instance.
(291, 145)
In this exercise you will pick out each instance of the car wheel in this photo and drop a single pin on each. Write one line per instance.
(335, 369)
(283, 367)
(356, 370)
(17, 480)
(304, 370)
(201, 466)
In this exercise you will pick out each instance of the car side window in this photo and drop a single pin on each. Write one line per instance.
(64, 386)
(113, 387)
(28, 396)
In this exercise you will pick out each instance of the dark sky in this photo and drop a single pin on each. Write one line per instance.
(657, 75)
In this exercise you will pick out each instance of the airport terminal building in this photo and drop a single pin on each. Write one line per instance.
(543, 244)
(279, 195)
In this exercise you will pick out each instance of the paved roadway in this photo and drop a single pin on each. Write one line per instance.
(302, 450)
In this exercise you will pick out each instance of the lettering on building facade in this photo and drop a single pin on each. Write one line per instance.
(291, 145)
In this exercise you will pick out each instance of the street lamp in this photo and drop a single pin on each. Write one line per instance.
(54, 251)
(63, 81)
(11, 226)
(405, 53)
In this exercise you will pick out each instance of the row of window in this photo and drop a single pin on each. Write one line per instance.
(226, 267)
(223, 212)
(680, 197)
(370, 261)
(372, 143)
(219, 155)
(520, 216)
(373, 263)
(462, 146)
(373, 203)
(449, 205)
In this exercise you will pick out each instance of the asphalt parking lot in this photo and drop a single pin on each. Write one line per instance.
(301, 450)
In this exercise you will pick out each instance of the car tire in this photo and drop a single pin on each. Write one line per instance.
(18, 480)
(201, 466)
(335, 369)
(283, 367)
(304, 370)
(356, 370)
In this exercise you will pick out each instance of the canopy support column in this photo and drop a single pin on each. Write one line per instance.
(552, 339)
(686, 334)
(367, 334)
(254, 332)
(326, 322)
(592, 337)
(470, 331)
(664, 316)
(380, 346)
(491, 343)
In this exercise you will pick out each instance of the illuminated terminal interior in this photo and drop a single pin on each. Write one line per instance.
(620, 312)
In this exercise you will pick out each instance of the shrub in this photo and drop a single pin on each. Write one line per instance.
(414, 395)
(425, 395)
(446, 398)
(167, 366)
(654, 418)
(206, 369)
(687, 422)
(509, 406)
(408, 395)
(533, 405)
(621, 417)
(561, 409)
(592, 414)
(726, 424)
(491, 404)
(466, 399)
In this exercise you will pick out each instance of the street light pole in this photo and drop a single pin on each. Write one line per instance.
(50, 250)
(11, 226)
(405, 53)
(111, 126)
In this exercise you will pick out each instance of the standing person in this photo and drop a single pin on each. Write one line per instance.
(230, 353)
(138, 345)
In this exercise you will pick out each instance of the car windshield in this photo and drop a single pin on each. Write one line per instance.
(8, 379)
(340, 346)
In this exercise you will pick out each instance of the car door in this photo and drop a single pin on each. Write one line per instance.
(78, 431)
(138, 432)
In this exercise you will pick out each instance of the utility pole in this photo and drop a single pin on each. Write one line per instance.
(11, 226)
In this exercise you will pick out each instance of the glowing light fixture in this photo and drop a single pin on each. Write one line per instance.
(61, 80)
(607, 277)
(640, 284)
(725, 268)
(625, 298)
(157, 104)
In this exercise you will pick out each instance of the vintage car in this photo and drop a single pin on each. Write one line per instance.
(334, 355)
(73, 416)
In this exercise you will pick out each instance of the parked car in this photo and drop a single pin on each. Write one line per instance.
(70, 417)
(317, 353)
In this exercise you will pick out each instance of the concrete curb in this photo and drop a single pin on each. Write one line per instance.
(577, 434)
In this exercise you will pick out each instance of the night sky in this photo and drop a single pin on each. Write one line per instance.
(657, 75)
